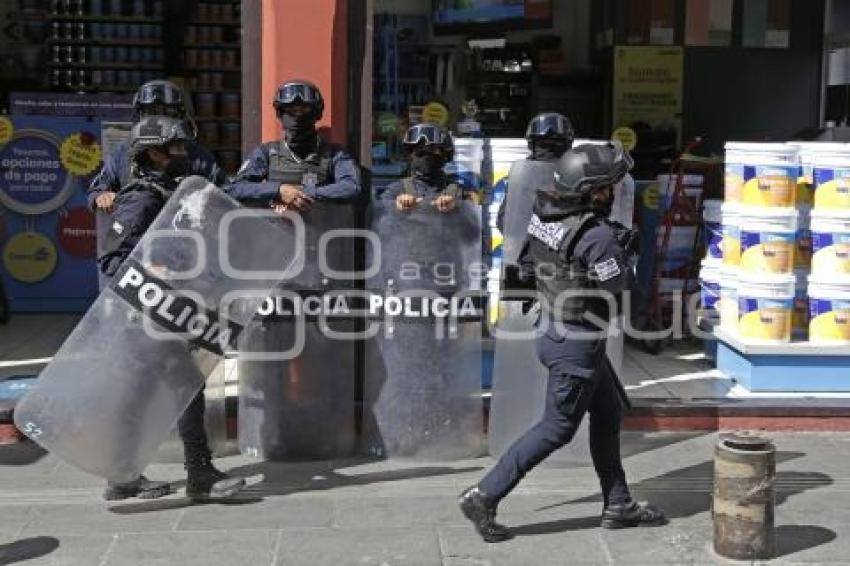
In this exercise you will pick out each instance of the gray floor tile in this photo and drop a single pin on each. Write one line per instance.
(233, 548)
(571, 541)
(366, 547)
(91, 518)
(57, 551)
(247, 512)
(381, 512)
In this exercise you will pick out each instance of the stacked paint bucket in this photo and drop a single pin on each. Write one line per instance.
(826, 168)
(765, 244)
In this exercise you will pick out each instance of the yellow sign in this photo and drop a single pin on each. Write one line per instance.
(29, 257)
(435, 113)
(648, 86)
(7, 130)
(81, 154)
(650, 197)
(626, 136)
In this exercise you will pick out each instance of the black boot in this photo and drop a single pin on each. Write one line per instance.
(476, 507)
(143, 488)
(632, 514)
(204, 482)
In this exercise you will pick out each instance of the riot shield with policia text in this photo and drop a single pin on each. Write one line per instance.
(297, 383)
(423, 366)
(119, 383)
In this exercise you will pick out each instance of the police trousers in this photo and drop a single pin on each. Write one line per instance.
(580, 381)
(192, 431)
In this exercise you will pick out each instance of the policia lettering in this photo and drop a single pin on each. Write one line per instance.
(337, 305)
(177, 313)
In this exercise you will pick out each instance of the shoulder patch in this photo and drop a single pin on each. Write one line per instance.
(550, 233)
(117, 227)
(607, 269)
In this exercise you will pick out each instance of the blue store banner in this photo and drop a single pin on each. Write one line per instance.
(47, 232)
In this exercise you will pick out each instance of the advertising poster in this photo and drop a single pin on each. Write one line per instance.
(47, 232)
(648, 87)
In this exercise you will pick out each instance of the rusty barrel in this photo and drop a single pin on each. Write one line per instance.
(742, 508)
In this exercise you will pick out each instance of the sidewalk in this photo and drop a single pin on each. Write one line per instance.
(403, 513)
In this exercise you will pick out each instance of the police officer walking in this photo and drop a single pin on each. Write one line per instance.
(291, 173)
(430, 148)
(154, 98)
(159, 153)
(578, 261)
(549, 136)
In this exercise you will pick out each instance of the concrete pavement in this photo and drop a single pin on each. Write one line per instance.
(403, 513)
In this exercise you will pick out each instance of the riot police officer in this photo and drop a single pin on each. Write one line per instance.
(301, 167)
(578, 261)
(429, 148)
(154, 98)
(159, 153)
(549, 136)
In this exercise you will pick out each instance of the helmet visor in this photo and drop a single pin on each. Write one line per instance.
(159, 94)
(428, 134)
(297, 92)
(549, 125)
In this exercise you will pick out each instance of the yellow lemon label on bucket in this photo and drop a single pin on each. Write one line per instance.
(731, 250)
(733, 182)
(832, 188)
(767, 252)
(770, 186)
(830, 320)
(762, 319)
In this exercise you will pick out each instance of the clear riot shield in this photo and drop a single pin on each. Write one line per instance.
(103, 221)
(423, 366)
(297, 383)
(519, 379)
(525, 179)
(121, 380)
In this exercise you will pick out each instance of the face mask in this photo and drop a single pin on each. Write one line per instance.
(178, 166)
(427, 165)
(300, 130)
(602, 202)
(549, 150)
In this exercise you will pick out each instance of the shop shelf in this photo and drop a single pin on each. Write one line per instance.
(107, 42)
(217, 90)
(106, 19)
(120, 66)
(222, 45)
(230, 24)
(217, 119)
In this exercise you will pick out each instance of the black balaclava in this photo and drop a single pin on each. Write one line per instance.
(548, 149)
(300, 132)
(428, 167)
(603, 205)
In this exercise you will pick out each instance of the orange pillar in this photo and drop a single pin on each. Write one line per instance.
(306, 39)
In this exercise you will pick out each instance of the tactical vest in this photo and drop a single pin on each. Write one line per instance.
(408, 187)
(286, 168)
(558, 271)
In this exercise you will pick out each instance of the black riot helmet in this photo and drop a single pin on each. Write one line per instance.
(588, 167)
(430, 135)
(298, 91)
(156, 132)
(158, 98)
(550, 125)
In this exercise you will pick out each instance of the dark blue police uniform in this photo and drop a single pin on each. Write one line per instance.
(115, 172)
(586, 253)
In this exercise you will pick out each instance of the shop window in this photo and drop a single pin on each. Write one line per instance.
(650, 22)
(767, 23)
(709, 23)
